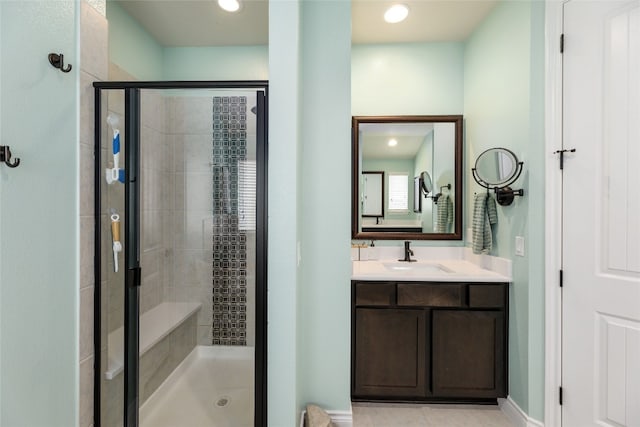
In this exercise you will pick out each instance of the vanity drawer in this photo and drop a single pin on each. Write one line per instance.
(430, 295)
(484, 296)
(382, 294)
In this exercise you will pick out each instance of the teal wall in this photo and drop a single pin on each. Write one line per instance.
(444, 164)
(39, 223)
(284, 208)
(536, 243)
(424, 162)
(134, 50)
(131, 47)
(216, 63)
(504, 90)
(410, 78)
(324, 304)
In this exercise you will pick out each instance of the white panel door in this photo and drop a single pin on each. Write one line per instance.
(601, 217)
(372, 204)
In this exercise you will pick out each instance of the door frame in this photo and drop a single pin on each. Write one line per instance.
(553, 212)
(132, 100)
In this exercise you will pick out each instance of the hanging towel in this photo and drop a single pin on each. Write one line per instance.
(484, 216)
(445, 214)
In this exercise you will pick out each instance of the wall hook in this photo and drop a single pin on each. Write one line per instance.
(57, 60)
(5, 156)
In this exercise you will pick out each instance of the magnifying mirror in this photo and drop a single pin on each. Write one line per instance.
(497, 168)
(425, 182)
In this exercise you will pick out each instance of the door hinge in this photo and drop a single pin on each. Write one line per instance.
(561, 278)
(134, 276)
(562, 43)
(561, 152)
(560, 396)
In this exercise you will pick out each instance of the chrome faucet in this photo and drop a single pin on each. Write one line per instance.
(407, 253)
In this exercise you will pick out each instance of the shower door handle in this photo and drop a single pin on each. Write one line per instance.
(134, 276)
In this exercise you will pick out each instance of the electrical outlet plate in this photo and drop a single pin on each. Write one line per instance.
(519, 245)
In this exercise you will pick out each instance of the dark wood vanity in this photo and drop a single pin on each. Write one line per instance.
(428, 341)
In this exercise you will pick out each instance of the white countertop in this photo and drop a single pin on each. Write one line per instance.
(454, 265)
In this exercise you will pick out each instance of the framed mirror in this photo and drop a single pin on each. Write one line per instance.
(419, 159)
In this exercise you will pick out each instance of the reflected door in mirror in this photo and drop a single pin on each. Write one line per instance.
(373, 194)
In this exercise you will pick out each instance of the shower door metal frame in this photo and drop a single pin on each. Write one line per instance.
(132, 242)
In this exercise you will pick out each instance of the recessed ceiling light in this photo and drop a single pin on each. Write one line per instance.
(392, 142)
(396, 13)
(229, 5)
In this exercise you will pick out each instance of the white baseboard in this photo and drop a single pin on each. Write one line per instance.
(338, 418)
(517, 415)
(341, 418)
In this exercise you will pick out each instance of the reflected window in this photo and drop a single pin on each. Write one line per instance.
(398, 192)
(247, 195)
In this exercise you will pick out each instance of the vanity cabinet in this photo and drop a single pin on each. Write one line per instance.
(429, 342)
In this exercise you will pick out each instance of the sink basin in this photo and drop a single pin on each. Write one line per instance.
(420, 267)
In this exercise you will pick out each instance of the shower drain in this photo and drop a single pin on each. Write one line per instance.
(223, 401)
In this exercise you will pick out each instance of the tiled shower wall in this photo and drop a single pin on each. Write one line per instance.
(177, 146)
(201, 241)
(190, 132)
(157, 200)
(229, 265)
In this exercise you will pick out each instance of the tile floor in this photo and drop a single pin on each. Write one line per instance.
(396, 415)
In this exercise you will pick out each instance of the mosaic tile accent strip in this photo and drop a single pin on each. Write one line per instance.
(229, 242)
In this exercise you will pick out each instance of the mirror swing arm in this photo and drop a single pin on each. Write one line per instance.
(504, 193)
(436, 196)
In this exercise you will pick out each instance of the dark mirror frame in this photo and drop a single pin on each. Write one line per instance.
(355, 179)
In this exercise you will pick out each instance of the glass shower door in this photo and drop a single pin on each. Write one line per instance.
(201, 244)
(198, 252)
(118, 248)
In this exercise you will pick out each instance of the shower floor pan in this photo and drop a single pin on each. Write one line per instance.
(213, 386)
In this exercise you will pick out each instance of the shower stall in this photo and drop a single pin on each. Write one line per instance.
(180, 241)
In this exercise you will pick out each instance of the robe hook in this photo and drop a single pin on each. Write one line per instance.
(5, 156)
(57, 60)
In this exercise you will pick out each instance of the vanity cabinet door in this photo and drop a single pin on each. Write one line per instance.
(469, 349)
(390, 359)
